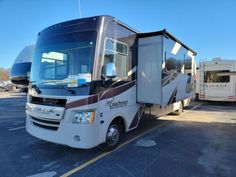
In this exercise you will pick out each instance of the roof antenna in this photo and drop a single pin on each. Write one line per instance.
(80, 15)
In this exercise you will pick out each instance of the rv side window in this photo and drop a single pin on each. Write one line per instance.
(213, 77)
(117, 52)
(174, 63)
(187, 62)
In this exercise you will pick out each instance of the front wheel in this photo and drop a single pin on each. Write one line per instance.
(113, 137)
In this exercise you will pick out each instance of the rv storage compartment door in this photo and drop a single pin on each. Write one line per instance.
(149, 74)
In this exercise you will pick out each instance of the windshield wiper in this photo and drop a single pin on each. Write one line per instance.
(35, 87)
(62, 86)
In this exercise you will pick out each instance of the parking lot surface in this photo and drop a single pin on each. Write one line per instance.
(200, 142)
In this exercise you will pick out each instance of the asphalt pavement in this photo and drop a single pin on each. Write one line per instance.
(199, 143)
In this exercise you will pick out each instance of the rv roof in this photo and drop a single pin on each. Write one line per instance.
(108, 17)
(127, 26)
(167, 34)
(82, 21)
(25, 55)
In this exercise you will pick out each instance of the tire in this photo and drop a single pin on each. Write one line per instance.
(180, 110)
(113, 137)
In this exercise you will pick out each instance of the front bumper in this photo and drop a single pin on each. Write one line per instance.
(82, 136)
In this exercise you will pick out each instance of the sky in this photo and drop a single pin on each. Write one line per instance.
(206, 26)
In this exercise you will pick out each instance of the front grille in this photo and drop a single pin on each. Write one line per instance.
(45, 127)
(46, 121)
(46, 124)
(48, 101)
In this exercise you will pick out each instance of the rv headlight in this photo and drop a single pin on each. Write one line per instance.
(84, 117)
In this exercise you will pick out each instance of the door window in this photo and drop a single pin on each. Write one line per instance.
(117, 52)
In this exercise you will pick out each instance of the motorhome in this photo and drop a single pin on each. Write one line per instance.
(92, 79)
(21, 67)
(217, 79)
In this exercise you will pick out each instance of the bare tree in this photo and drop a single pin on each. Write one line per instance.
(4, 74)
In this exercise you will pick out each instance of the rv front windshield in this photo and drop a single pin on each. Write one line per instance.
(63, 58)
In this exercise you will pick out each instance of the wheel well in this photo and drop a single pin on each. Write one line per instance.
(121, 122)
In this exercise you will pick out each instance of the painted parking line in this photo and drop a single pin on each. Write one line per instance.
(77, 169)
(195, 107)
(17, 128)
(12, 118)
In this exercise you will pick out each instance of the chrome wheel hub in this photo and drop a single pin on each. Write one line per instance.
(113, 135)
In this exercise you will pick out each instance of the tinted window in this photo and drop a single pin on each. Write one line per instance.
(174, 62)
(188, 62)
(58, 57)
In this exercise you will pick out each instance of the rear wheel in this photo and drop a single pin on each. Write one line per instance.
(113, 136)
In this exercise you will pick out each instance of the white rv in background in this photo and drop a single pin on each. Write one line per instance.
(93, 78)
(217, 80)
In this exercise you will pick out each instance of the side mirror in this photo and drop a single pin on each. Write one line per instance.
(20, 73)
(109, 70)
